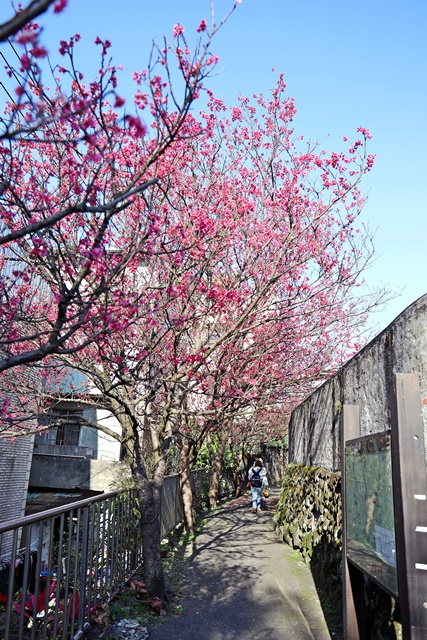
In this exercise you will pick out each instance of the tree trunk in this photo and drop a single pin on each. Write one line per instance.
(149, 494)
(238, 474)
(217, 467)
(187, 459)
(150, 524)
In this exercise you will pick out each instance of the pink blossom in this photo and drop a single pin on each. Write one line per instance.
(40, 248)
(25, 62)
(94, 157)
(97, 253)
(202, 26)
(119, 102)
(39, 52)
(177, 30)
(139, 77)
(27, 36)
(212, 60)
(370, 161)
(141, 99)
(140, 128)
(92, 138)
(59, 6)
(365, 132)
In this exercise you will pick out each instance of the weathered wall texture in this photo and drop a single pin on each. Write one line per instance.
(15, 463)
(275, 459)
(52, 472)
(367, 380)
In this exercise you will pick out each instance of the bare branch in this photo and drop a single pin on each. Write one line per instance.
(21, 18)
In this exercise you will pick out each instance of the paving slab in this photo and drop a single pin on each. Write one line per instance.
(244, 583)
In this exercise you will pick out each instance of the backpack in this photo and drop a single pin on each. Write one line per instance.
(256, 480)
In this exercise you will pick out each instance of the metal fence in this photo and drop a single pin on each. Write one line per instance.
(64, 450)
(58, 565)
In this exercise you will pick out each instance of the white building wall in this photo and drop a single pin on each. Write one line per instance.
(108, 447)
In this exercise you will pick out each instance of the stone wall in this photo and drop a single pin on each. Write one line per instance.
(309, 519)
(367, 380)
(15, 464)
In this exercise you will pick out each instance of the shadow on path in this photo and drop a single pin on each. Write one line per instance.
(243, 582)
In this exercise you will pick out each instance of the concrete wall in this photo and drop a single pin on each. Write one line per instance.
(367, 380)
(275, 461)
(67, 472)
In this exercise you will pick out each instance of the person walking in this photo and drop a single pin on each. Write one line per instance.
(255, 476)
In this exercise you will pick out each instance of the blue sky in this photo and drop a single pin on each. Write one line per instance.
(345, 63)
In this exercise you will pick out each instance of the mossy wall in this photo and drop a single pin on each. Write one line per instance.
(309, 518)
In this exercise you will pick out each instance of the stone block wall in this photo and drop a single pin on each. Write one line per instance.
(15, 464)
(308, 518)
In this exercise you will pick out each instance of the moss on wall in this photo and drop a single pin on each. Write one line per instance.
(309, 519)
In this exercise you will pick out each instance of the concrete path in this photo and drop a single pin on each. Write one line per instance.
(245, 584)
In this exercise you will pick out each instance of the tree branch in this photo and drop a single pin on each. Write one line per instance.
(20, 19)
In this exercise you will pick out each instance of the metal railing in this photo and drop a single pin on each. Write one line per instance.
(58, 565)
(64, 450)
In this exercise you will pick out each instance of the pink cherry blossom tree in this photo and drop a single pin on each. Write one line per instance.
(250, 292)
(79, 230)
(72, 159)
(289, 257)
(242, 290)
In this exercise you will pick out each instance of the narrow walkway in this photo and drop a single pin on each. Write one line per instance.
(245, 584)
